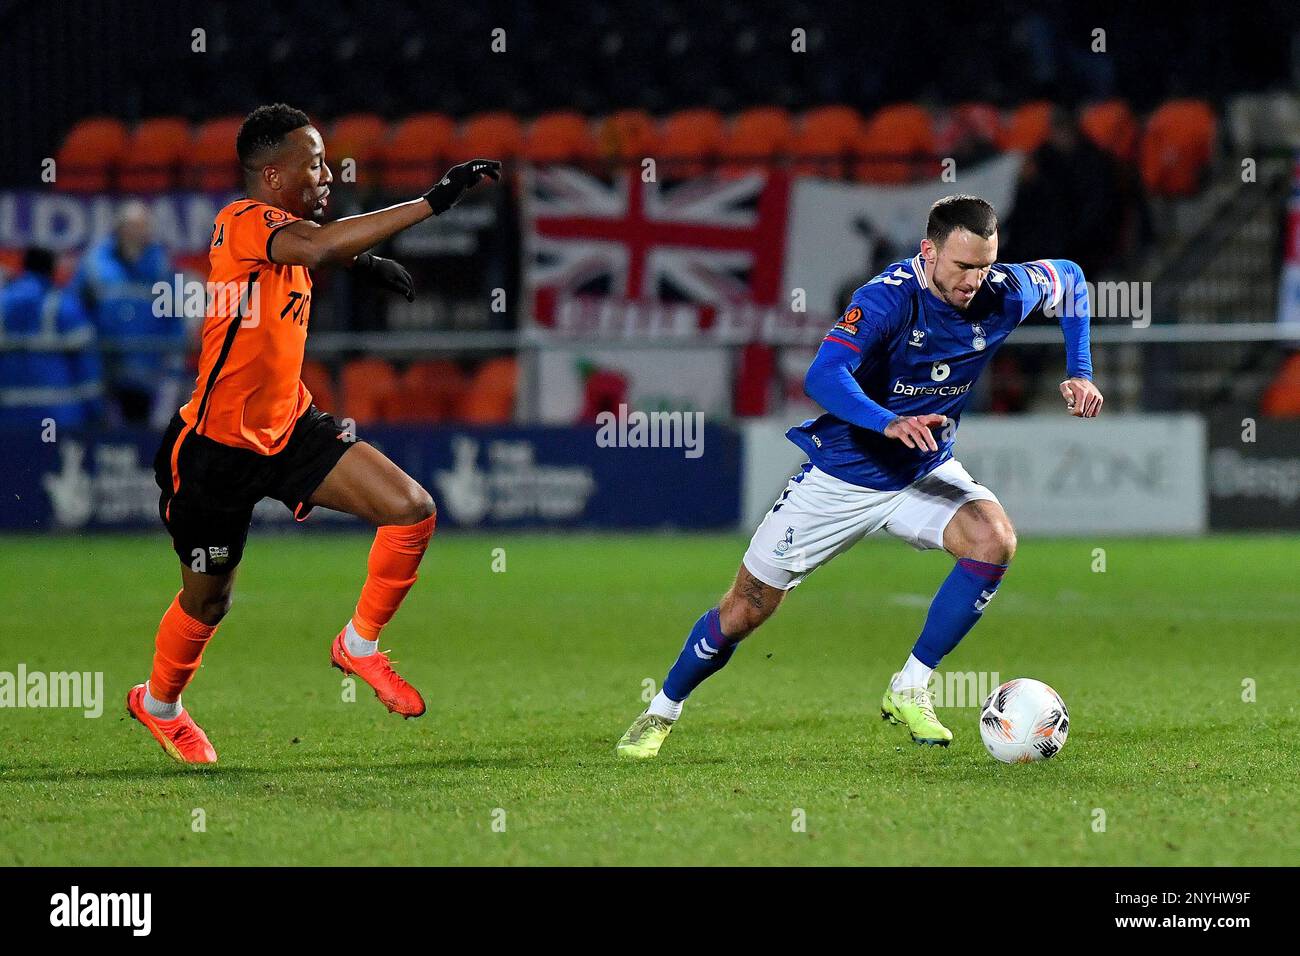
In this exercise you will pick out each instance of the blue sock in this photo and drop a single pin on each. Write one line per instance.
(706, 652)
(956, 607)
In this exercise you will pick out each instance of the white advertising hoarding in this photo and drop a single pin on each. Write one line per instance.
(1117, 474)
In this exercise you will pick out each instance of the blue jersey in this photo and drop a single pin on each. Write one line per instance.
(899, 349)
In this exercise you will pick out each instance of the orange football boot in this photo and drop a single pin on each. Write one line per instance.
(393, 690)
(181, 737)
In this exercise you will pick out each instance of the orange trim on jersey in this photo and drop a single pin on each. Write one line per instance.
(176, 472)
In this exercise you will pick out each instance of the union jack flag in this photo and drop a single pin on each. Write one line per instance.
(710, 240)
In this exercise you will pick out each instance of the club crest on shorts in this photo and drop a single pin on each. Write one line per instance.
(785, 544)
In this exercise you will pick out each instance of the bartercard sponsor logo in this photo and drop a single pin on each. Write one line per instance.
(906, 388)
(75, 908)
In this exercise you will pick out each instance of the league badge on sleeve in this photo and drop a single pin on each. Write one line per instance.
(850, 320)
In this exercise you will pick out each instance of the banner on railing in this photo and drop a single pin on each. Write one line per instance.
(842, 234)
(579, 382)
(626, 472)
(709, 241)
(726, 260)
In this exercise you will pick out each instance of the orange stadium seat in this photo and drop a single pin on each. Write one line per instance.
(824, 138)
(1282, 397)
(1176, 147)
(211, 161)
(1028, 127)
(154, 155)
(417, 151)
(429, 391)
(368, 386)
(488, 136)
(628, 135)
(88, 158)
(359, 137)
(1111, 126)
(904, 131)
(968, 124)
(320, 382)
(760, 135)
(560, 137)
(690, 142)
(490, 398)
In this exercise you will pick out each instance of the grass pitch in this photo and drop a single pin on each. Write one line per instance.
(532, 674)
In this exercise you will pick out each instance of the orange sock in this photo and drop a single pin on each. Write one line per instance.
(178, 649)
(390, 572)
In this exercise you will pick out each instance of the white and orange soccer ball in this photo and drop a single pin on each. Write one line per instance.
(1024, 720)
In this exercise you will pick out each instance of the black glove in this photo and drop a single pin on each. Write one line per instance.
(457, 180)
(384, 273)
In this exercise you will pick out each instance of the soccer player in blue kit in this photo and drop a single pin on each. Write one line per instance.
(894, 375)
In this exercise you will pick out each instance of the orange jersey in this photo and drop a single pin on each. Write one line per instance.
(249, 392)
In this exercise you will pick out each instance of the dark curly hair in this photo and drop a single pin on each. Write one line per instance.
(265, 128)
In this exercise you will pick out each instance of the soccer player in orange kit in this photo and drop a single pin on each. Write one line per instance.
(250, 430)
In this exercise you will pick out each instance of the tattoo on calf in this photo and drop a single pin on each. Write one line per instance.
(753, 591)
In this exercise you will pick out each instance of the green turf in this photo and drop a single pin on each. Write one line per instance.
(533, 674)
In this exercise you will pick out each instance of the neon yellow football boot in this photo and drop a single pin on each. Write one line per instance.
(644, 738)
(914, 708)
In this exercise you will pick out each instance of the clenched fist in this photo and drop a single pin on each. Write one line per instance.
(1082, 398)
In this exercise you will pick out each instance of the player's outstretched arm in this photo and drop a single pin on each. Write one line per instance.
(303, 243)
(1070, 305)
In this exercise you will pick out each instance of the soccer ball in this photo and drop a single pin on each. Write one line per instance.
(1024, 720)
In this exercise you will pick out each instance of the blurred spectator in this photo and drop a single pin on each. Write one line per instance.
(115, 281)
(48, 364)
(1067, 203)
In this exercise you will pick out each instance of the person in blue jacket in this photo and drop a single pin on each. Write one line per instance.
(115, 281)
(49, 368)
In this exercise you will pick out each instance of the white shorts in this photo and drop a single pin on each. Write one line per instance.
(819, 516)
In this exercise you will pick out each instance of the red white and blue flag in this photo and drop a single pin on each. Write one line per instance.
(709, 241)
